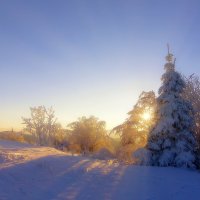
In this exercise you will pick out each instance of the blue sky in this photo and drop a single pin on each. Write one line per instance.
(86, 57)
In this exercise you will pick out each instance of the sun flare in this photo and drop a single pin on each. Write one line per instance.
(146, 116)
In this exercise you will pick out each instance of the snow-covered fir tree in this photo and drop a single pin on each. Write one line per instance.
(172, 142)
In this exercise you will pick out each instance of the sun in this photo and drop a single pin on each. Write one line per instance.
(146, 116)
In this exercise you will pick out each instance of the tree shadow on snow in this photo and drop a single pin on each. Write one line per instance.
(60, 177)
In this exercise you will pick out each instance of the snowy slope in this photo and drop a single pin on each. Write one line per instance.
(42, 173)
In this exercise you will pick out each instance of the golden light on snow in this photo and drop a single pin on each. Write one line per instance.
(146, 116)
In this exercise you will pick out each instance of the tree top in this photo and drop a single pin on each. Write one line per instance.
(170, 57)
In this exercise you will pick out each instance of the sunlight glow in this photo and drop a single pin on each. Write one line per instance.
(146, 116)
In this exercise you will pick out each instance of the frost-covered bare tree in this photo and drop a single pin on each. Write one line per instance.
(42, 124)
(88, 134)
(192, 94)
(134, 131)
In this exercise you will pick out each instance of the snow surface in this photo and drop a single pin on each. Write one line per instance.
(42, 173)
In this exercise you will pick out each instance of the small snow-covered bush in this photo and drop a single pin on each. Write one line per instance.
(103, 154)
(124, 154)
(141, 156)
(13, 136)
(74, 148)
